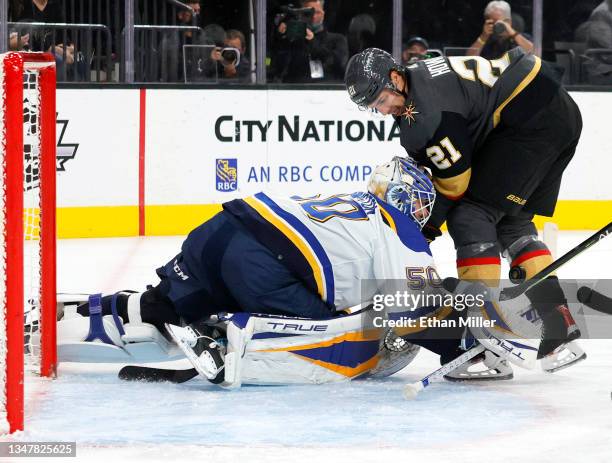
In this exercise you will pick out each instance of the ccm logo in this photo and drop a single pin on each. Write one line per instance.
(297, 327)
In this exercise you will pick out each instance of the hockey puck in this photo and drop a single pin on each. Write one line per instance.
(517, 274)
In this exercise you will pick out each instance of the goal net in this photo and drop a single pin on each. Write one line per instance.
(27, 250)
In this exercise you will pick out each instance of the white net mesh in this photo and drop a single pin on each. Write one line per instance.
(31, 203)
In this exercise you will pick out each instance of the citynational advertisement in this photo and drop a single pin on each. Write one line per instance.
(160, 161)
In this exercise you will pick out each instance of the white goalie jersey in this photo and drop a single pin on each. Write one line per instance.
(336, 242)
(333, 244)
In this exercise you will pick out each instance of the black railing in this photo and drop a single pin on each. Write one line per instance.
(95, 28)
(153, 63)
(83, 51)
(163, 12)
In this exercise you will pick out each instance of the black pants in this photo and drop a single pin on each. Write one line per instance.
(223, 268)
(519, 168)
(471, 222)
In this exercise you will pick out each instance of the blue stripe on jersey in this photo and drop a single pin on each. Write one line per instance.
(312, 241)
(277, 242)
(407, 230)
(272, 334)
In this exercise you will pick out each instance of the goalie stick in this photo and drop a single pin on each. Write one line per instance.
(156, 375)
(411, 390)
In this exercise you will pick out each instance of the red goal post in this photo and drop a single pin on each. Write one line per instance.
(27, 254)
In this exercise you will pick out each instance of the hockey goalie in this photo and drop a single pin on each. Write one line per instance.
(279, 290)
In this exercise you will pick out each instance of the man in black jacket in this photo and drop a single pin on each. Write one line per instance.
(319, 56)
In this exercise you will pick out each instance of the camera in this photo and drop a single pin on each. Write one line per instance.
(230, 56)
(296, 19)
(499, 28)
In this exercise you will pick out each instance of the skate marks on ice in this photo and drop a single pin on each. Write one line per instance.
(102, 410)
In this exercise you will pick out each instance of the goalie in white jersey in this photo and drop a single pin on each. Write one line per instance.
(300, 262)
(295, 257)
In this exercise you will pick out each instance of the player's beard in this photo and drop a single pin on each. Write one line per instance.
(398, 110)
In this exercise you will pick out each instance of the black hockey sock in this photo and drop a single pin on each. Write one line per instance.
(157, 309)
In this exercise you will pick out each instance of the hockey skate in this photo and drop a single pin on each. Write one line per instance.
(485, 367)
(558, 328)
(202, 345)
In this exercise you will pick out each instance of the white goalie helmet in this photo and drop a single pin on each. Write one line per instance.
(403, 185)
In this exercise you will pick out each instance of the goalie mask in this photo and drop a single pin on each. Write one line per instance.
(404, 186)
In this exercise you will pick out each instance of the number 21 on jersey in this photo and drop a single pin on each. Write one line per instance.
(437, 154)
(477, 68)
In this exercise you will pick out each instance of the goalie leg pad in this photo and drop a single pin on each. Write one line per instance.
(511, 336)
(102, 336)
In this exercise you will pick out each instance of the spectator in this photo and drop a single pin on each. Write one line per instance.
(361, 33)
(317, 56)
(597, 33)
(226, 61)
(498, 36)
(43, 11)
(18, 41)
(414, 50)
(171, 44)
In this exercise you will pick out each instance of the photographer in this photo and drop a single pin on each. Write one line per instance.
(232, 65)
(414, 50)
(171, 43)
(498, 36)
(304, 51)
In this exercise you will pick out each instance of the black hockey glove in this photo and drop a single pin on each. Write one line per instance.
(430, 232)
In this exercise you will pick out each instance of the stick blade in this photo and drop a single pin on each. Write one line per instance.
(156, 375)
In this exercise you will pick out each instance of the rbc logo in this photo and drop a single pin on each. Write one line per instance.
(227, 175)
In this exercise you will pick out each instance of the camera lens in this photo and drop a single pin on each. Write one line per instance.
(499, 28)
(229, 55)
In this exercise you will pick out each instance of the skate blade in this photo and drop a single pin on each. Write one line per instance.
(558, 366)
(575, 355)
(484, 377)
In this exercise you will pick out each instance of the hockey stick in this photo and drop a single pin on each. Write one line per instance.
(515, 291)
(156, 375)
(411, 390)
(595, 300)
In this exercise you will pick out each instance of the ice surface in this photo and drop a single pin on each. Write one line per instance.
(535, 417)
